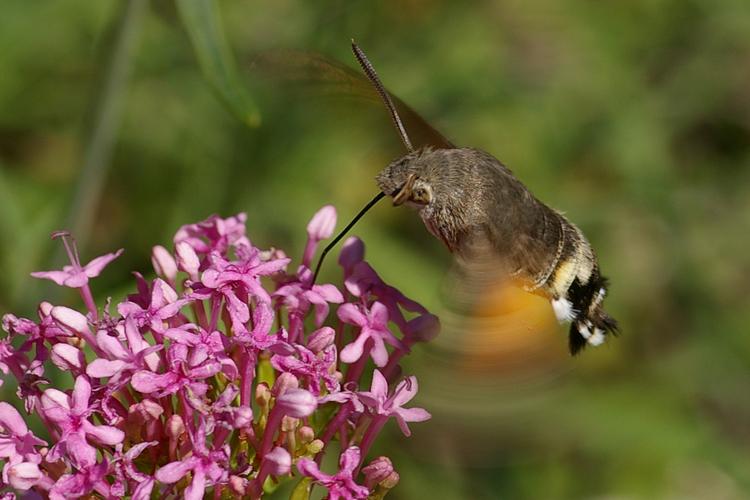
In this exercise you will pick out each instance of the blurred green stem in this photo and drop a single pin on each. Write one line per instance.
(105, 120)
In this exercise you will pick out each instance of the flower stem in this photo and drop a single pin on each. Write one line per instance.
(88, 299)
(371, 433)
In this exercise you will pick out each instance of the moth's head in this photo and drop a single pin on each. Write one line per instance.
(407, 181)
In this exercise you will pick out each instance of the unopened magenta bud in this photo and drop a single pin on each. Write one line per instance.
(163, 262)
(297, 403)
(377, 470)
(285, 382)
(279, 461)
(243, 417)
(306, 434)
(175, 426)
(321, 338)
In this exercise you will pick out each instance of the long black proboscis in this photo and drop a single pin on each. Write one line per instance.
(343, 232)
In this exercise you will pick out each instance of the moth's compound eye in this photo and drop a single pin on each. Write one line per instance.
(421, 194)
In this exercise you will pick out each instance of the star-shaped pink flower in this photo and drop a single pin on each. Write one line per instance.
(340, 485)
(76, 275)
(373, 325)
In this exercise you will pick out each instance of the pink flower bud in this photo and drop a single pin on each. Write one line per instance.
(391, 481)
(289, 424)
(279, 461)
(285, 382)
(71, 319)
(147, 410)
(377, 470)
(306, 434)
(297, 403)
(352, 252)
(322, 224)
(238, 485)
(45, 308)
(24, 475)
(66, 357)
(262, 394)
(320, 339)
(163, 262)
(243, 417)
(423, 328)
(175, 426)
(320, 227)
(187, 259)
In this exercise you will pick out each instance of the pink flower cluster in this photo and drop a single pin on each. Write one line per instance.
(227, 375)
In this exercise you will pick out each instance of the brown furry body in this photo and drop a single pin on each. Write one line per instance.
(474, 204)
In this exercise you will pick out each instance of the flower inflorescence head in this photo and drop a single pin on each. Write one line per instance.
(226, 374)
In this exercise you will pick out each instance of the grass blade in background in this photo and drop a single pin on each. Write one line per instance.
(104, 122)
(204, 28)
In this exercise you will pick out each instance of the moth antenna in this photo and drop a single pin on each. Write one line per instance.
(373, 76)
(343, 232)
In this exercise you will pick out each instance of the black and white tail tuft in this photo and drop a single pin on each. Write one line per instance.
(590, 323)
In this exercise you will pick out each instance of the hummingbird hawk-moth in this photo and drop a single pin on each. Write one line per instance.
(490, 220)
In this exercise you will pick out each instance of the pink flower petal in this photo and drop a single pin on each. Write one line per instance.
(173, 472)
(378, 352)
(379, 314)
(104, 433)
(413, 414)
(349, 313)
(321, 308)
(93, 268)
(238, 310)
(24, 475)
(100, 368)
(207, 370)
(379, 386)
(309, 468)
(66, 357)
(83, 454)
(147, 382)
(110, 345)
(162, 294)
(349, 460)
(143, 490)
(329, 293)
(56, 405)
(11, 420)
(405, 391)
(81, 394)
(354, 351)
(273, 266)
(58, 277)
(197, 486)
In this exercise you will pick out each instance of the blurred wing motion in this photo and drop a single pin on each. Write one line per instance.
(318, 74)
(498, 363)
(501, 329)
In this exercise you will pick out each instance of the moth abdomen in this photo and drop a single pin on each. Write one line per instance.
(577, 289)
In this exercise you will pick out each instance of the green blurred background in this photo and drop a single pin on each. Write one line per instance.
(121, 120)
